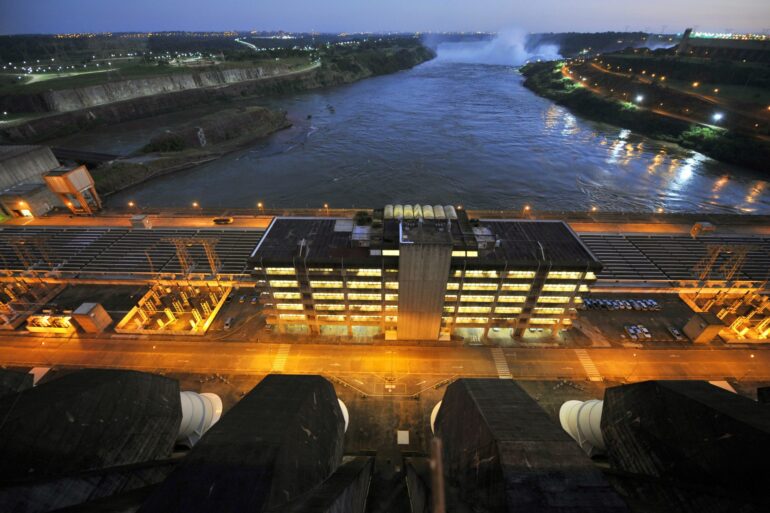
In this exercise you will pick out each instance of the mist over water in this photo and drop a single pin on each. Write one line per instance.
(508, 48)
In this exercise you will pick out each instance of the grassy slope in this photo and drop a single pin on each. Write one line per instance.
(546, 80)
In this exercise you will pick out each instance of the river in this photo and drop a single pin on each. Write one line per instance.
(446, 132)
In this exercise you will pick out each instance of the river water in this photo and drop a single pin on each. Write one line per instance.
(446, 132)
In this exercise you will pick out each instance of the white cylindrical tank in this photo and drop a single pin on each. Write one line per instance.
(398, 212)
(582, 421)
(199, 413)
(388, 214)
(408, 212)
(345, 414)
(427, 212)
(417, 211)
(438, 211)
(433, 415)
(450, 212)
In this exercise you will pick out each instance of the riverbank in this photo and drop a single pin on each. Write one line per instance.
(205, 140)
(336, 67)
(546, 79)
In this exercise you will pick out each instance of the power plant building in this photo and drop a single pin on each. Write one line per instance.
(420, 273)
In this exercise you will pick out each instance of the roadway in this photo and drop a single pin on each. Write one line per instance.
(367, 367)
(190, 220)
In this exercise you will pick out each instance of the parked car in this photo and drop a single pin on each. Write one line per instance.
(229, 322)
(242, 299)
(223, 220)
(675, 333)
(253, 300)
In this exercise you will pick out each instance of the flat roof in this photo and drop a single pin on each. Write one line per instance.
(523, 243)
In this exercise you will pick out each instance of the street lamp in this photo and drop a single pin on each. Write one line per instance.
(639, 98)
(130, 203)
(195, 204)
(717, 117)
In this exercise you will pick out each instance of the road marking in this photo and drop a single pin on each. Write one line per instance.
(280, 358)
(501, 364)
(588, 365)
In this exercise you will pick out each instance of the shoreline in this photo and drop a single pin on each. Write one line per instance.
(718, 144)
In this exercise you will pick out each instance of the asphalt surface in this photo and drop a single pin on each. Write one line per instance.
(387, 370)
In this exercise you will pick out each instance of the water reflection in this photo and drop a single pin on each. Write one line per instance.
(460, 133)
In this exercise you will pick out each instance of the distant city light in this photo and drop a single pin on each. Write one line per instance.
(639, 98)
(717, 116)
(695, 84)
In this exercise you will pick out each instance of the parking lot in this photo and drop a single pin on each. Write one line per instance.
(673, 313)
(243, 308)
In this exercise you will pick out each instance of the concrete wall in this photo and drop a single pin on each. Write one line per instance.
(503, 453)
(24, 164)
(423, 270)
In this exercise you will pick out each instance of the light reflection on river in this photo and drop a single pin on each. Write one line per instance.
(449, 132)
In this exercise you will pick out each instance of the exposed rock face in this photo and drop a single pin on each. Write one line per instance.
(65, 100)
(221, 127)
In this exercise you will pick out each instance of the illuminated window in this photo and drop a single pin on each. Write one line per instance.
(512, 299)
(257, 268)
(446, 319)
(364, 285)
(479, 286)
(326, 284)
(366, 272)
(583, 288)
(457, 274)
(391, 285)
(364, 297)
(550, 310)
(590, 276)
(468, 254)
(543, 321)
(476, 299)
(283, 283)
(390, 252)
(449, 309)
(391, 297)
(564, 275)
(472, 254)
(321, 270)
(550, 287)
(452, 286)
(578, 300)
(475, 320)
(292, 317)
(329, 307)
(286, 295)
(289, 306)
(553, 299)
(450, 297)
(391, 318)
(521, 274)
(280, 270)
(328, 295)
(515, 286)
(391, 308)
(365, 308)
(474, 309)
(508, 309)
(365, 318)
(480, 274)
(332, 318)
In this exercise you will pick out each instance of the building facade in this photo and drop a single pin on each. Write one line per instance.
(420, 273)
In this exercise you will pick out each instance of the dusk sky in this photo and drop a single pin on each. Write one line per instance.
(58, 16)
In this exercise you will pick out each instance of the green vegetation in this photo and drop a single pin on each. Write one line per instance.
(719, 144)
